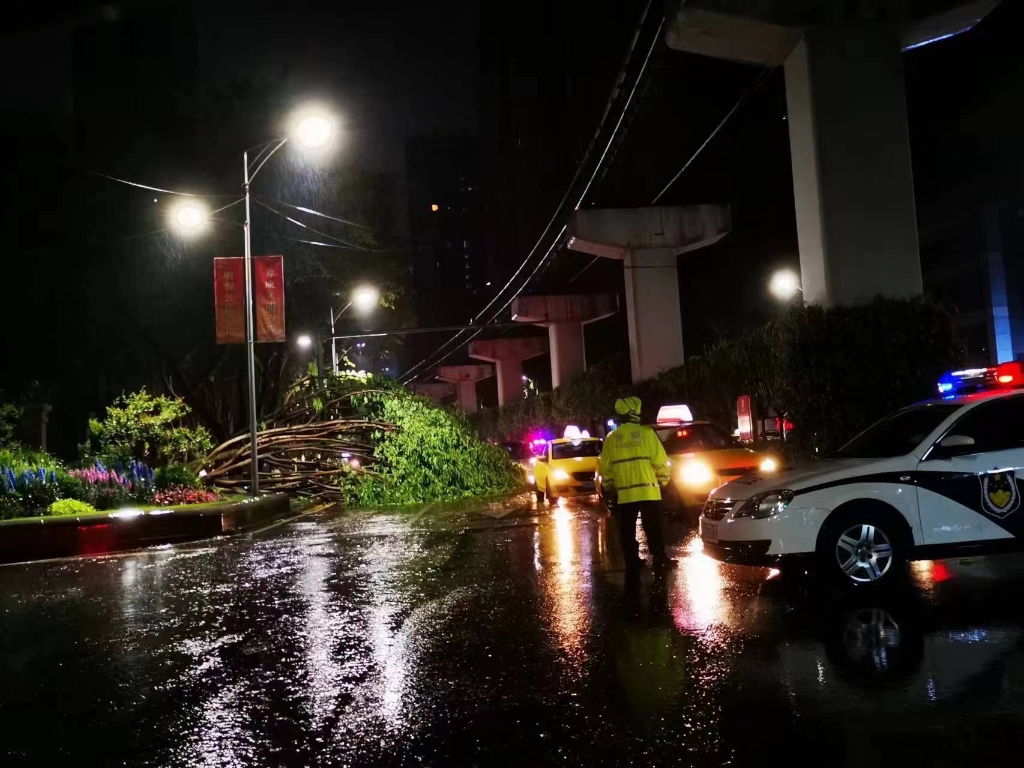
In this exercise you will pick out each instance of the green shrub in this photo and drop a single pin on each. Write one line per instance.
(176, 475)
(9, 416)
(149, 428)
(70, 507)
(19, 458)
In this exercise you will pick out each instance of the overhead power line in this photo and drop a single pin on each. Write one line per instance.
(758, 81)
(306, 226)
(146, 186)
(430, 360)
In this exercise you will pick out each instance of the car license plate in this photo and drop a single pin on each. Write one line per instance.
(709, 532)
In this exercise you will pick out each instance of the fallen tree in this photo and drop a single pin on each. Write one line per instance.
(356, 440)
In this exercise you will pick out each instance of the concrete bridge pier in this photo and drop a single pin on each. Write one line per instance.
(565, 317)
(647, 242)
(464, 378)
(508, 356)
(847, 116)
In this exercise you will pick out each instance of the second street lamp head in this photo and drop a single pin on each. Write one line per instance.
(305, 341)
(365, 298)
(314, 131)
(784, 285)
(188, 216)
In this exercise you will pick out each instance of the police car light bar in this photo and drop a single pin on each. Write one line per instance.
(978, 379)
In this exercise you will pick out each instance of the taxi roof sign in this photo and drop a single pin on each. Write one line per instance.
(672, 414)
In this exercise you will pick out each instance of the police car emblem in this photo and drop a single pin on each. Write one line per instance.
(999, 496)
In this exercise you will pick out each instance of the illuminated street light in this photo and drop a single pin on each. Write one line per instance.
(784, 285)
(314, 131)
(305, 341)
(364, 299)
(188, 216)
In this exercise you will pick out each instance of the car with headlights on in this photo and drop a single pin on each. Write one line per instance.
(705, 456)
(937, 479)
(567, 467)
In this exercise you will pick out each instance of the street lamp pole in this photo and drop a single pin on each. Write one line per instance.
(250, 339)
(313, 131)
(334, 343)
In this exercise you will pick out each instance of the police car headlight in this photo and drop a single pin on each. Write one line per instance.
(561, 474)
(764, 505)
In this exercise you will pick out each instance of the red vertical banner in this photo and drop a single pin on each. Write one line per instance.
(269, 297)
(744, 418)
(229, 299)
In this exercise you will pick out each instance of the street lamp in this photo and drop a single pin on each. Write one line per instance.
(188, 216)
(305, 341)
(364, 299)
(785, 284)
(312, 129)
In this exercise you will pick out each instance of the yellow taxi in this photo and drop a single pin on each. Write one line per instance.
(567, 468)
(705, 456)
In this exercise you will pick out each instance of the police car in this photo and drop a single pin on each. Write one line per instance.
(936, 479)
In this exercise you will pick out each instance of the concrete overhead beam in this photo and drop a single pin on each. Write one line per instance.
(614, 233)
(465, 377)
(435, 390)
(508, 356)
(765, 33)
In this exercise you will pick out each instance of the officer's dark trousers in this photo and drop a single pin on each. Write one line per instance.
(650, 517)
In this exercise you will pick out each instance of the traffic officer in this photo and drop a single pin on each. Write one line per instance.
(634, 468)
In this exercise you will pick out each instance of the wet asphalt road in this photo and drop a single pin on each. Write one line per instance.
(497, 636)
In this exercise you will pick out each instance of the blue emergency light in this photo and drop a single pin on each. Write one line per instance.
(969, 380)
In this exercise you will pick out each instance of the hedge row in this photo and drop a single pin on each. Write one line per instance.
(831, 371)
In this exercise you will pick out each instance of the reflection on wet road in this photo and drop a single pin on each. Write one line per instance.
(503, 635)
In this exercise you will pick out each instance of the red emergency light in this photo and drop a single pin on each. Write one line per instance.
(1010, 374)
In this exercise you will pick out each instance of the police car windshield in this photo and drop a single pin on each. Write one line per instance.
(582, 449)
(898, 434)
(688, 438)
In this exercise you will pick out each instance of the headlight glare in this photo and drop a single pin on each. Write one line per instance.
(769, 464)
(561, 474)
(764, 505)
(697, 474)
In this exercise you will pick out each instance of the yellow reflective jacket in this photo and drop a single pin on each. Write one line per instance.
(634, 464)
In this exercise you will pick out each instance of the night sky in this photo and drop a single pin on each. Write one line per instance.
(398, 70)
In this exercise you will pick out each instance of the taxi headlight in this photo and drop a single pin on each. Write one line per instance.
(561, 474)
(764, 505)
(697, 474)
(769, 464)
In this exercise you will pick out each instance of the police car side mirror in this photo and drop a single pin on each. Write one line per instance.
(957, 441)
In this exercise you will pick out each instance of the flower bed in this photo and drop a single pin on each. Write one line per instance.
(37, 485)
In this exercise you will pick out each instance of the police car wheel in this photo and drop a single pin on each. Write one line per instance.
(863, 547)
